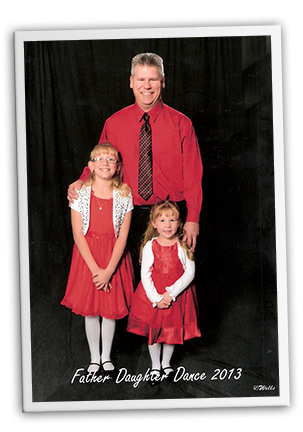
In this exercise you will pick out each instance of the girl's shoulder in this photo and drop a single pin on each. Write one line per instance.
(181, 246)
(83, 198)
(147, 252)
(85, 190)
(184, 250)
(124, 190)
(148, 244)
(84, 194)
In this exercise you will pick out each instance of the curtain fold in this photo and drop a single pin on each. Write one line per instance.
(73, 86)
(223, 84)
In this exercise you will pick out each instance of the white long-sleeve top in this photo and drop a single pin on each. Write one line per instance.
(175, 289)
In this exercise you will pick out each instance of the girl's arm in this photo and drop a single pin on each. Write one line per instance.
(102, 276)
(187, 277)
(146, 266)
(81, 242)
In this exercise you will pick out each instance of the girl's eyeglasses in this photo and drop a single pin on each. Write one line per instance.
(109, 160)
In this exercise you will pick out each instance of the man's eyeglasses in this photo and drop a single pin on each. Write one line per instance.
(109, 160)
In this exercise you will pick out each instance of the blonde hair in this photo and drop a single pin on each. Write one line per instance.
(151, 232)
(147, 59)
(117, 182)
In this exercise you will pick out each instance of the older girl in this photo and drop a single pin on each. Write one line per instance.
(100, 282)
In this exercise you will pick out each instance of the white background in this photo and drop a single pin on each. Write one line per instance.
(89, 15)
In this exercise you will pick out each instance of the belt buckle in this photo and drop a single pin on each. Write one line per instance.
(144, 208)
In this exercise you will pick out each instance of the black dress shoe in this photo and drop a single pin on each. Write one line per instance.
(96, 371)
(154, 377)
(169, 373)
(113, 373)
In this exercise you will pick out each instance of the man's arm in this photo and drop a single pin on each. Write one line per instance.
(192, 184)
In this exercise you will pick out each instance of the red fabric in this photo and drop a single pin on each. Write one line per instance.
(177, 323)
(177, 166)
(81, 295)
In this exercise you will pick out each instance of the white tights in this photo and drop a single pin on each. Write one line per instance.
(155, 355)
(92, 329)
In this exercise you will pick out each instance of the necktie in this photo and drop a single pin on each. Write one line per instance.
(145, 180)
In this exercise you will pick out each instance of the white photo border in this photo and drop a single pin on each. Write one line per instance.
(275, 33)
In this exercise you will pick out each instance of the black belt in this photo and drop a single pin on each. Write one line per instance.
(147, 208)
(143, 208)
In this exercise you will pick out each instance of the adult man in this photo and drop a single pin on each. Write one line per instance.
(176, 166)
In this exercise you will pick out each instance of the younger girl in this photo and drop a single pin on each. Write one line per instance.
(100, 282)
(164, 306)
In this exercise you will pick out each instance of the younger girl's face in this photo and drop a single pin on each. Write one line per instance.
(104, 164)
(167, 225)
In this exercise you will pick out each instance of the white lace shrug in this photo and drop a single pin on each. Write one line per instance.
(121, 205)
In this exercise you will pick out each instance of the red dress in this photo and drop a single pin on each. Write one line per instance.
(82, 295)
(177, 323)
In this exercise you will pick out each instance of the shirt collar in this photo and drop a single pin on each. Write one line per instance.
(153, 113)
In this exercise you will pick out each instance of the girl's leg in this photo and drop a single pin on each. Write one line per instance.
(92, 329)
(155, 373)
(155, 352)
(166, 357)
(108, 332)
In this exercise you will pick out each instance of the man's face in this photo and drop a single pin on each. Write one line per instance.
(147, 85)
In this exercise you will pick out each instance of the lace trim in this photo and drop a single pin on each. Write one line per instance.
(122, 204)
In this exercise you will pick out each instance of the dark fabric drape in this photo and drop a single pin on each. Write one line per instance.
(72, 87)
(224, 85)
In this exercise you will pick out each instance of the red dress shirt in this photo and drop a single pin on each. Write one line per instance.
(177, 165)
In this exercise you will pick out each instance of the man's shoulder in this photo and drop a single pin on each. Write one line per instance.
(122, 113)
(175, 113)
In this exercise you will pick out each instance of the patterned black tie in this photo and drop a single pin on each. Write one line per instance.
(145, 179)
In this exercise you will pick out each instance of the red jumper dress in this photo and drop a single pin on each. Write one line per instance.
(177, 323)
(82, 295)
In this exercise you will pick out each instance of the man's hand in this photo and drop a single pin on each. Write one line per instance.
(191, 232)
(71, 192)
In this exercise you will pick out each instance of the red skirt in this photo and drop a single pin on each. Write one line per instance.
(173, 325)
(82, 295)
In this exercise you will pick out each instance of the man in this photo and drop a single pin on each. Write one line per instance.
(172, 161)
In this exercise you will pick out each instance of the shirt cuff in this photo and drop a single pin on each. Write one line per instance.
(169, 292)
(155, 304)
(193, 216)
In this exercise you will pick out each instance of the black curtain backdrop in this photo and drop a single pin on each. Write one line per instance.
(224, 85)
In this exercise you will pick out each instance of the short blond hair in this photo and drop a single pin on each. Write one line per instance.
(148, 59)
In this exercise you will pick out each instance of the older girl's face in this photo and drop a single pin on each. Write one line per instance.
(104, 164)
